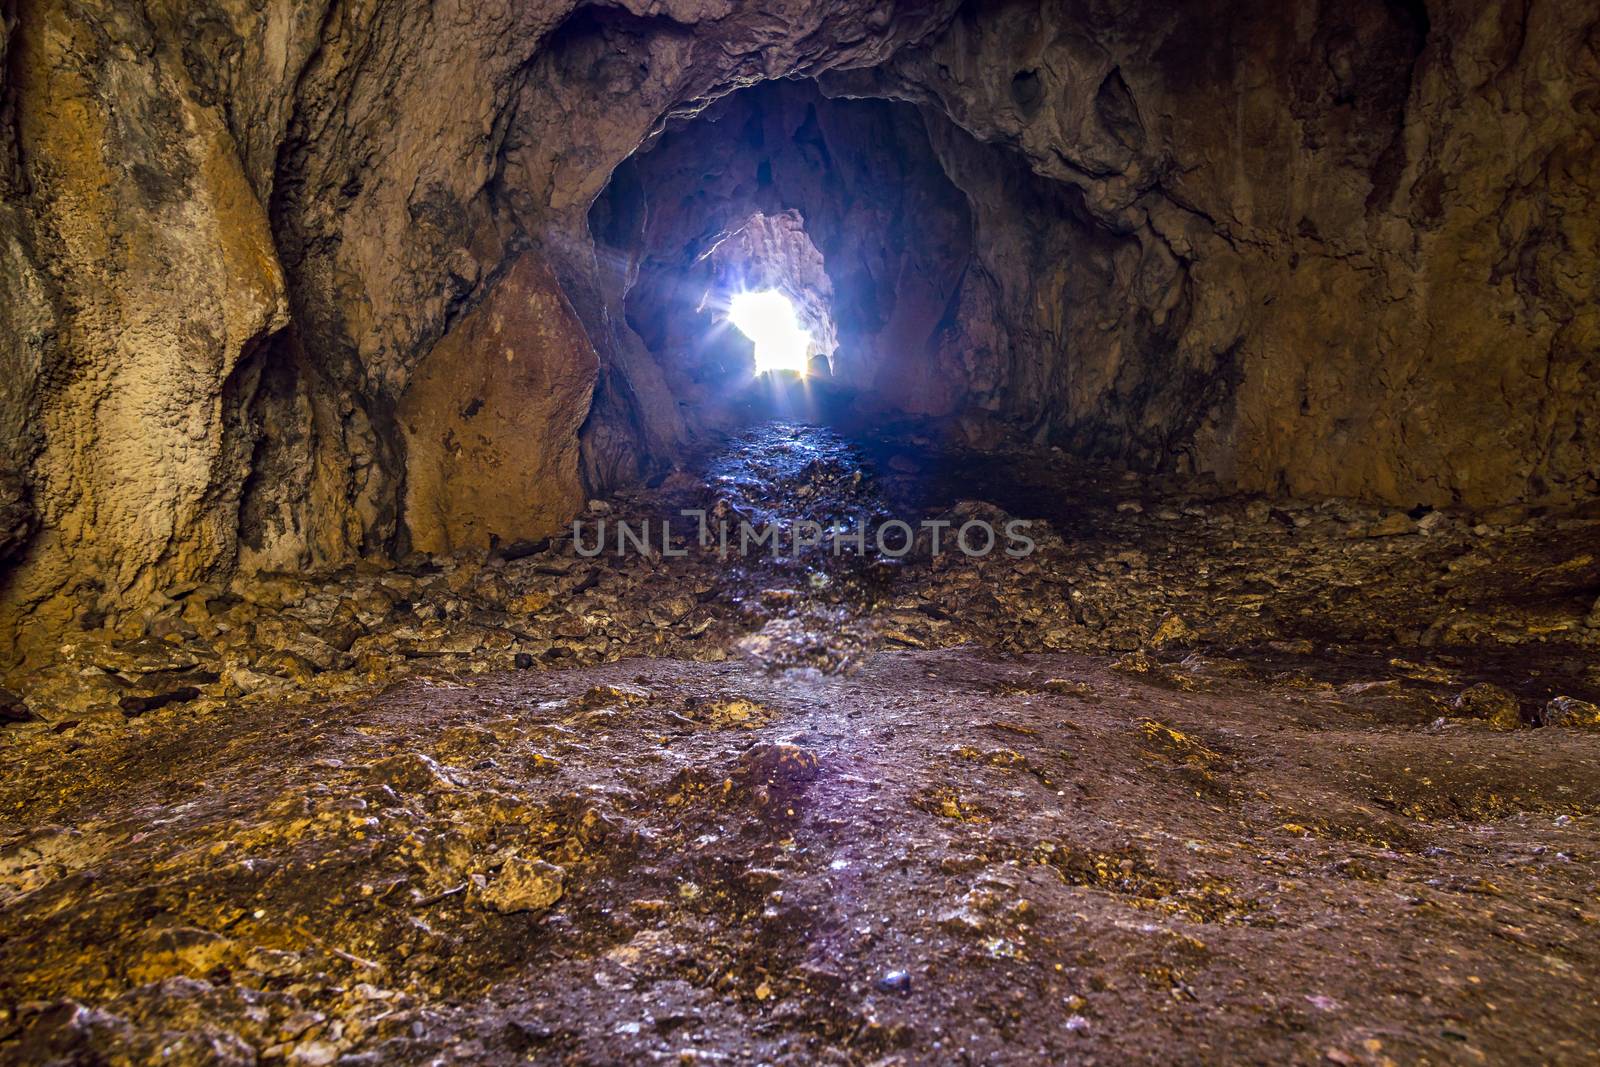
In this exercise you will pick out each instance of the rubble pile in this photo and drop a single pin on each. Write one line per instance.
(1117, 563)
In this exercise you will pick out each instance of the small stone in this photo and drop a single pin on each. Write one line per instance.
(314, 1054)
(298, 1024)
(522, 1035)
(895, 982)
(290, 665)
(780, 763)
(1135, 662)
(736, 712)
(1172, 631)
(410, 772)
(525, 885)
(613, 696)
(530, 603)
(761, 879)
(1393, 525)
(239, 679)
(12, 709)
(1571, 712)
(673, 608)
(1489, 702)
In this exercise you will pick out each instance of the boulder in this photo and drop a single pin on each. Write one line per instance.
(491, 419)
(1490, 703)
(1572, 713)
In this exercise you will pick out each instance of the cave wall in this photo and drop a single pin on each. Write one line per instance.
(146, 274)
(1328, 247)
(1363, 240)
(27, 326)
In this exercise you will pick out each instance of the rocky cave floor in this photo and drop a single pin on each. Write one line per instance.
(1204, 777)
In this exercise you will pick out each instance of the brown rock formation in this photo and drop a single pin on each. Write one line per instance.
(165, 276)
(491, 419)
(1346, 267)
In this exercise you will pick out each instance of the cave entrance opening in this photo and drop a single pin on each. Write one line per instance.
(841, 207)
(768, 281)
(768, 319)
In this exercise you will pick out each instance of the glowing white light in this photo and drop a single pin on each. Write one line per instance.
(769, 320)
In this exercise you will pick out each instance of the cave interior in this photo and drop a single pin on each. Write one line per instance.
(942, 531)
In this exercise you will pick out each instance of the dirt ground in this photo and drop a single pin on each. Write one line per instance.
(871, 817)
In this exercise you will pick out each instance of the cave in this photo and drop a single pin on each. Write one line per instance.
(954, 531)
(841, 206)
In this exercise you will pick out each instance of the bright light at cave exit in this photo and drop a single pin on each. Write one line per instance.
(769, 320)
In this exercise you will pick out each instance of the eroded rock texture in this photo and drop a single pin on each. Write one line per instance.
(1328, 249)
(164, 275)
(491, 419)
(1344, 268)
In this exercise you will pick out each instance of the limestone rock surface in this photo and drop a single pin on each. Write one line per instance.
(491, 419)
